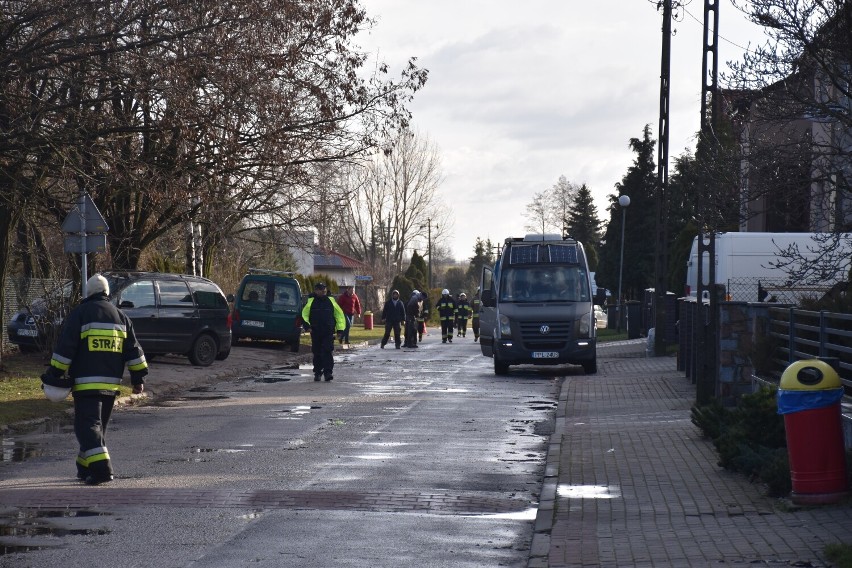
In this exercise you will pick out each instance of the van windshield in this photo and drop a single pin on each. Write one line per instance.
(544, 284)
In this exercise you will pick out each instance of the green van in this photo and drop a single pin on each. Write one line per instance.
(268, 305)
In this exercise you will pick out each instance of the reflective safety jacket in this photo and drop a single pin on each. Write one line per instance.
(475, 305)
(323, 314)
(446, 307)
(96, 343)
(463, 309)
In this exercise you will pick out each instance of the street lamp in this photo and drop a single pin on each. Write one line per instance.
(623, 201)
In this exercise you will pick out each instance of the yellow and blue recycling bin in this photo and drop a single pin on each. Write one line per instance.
(809, 399)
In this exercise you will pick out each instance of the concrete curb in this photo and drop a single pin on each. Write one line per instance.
(545, 518)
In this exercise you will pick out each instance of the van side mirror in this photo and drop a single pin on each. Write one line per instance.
(488, 299)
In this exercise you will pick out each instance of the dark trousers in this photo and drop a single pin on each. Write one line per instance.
(474, 324)
(349, 318)
(91, 417)
(397, 330)
(322, 346)
(411, 332)
(462, 325)
(446, 328)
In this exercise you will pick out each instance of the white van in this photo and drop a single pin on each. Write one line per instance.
(745, 266)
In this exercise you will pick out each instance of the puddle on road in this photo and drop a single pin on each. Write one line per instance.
(196, 450)
(12, 450)
(176, 401)
(278, 376)
(296, 412)
(526, 515)
(37, 524)
(589, 491)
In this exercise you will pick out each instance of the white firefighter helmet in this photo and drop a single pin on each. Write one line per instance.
(445, 292)
(55, 394)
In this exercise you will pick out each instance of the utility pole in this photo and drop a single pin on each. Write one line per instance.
(428, 226)
(661, 264)
(707, 317)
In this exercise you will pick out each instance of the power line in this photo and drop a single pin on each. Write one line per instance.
(688, 13)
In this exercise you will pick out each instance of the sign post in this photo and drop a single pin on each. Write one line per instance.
(85, 231)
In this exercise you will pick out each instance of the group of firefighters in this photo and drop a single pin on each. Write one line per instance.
(453, 313)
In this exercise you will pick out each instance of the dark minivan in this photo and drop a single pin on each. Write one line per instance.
(174, 313)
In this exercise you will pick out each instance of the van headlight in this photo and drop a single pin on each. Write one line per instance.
(505, 326)
(585, 325)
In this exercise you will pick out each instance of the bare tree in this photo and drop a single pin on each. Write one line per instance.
(170, 112)
(397, 202)
(549, 209)
(562, 196)
(538, 214)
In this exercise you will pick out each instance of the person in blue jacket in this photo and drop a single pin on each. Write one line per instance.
(393, 314)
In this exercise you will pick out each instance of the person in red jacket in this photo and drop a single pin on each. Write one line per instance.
(351, 306)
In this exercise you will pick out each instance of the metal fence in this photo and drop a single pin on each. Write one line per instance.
(794, 334)
(776, 290)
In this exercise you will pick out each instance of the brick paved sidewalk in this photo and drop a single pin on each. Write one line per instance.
(631, 482)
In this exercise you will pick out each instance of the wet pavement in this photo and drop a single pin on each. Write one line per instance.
(630, 481)
(410, 457)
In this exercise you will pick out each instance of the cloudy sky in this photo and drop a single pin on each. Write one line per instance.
(520, 94)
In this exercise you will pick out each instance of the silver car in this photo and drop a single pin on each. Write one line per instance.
(600, 317)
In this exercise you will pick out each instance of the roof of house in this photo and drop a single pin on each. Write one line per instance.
(325, 259)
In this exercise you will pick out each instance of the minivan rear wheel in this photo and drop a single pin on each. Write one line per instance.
(203, 351)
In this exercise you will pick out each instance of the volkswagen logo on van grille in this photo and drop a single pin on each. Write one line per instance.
(544, 330)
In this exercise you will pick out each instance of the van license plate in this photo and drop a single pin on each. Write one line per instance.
(252, 323)
(28, 332)
(545, 355)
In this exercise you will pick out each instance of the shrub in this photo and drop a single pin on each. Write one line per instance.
(749, 438)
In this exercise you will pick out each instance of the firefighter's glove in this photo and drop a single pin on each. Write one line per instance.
(53, 378)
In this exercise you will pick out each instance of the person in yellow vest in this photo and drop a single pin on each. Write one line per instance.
(463, 314)
(475, 306)
(323, 318)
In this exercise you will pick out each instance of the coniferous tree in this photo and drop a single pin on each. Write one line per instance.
(417, 271)
(583, 224)
(639, 183)
(483, 255)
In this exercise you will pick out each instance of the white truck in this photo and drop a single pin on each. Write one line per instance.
(537, 305)
(747, 265)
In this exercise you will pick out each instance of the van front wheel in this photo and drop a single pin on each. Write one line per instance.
(203, 351)
(500, 368)
(590, 367)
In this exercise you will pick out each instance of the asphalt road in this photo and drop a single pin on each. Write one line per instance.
(409, 457)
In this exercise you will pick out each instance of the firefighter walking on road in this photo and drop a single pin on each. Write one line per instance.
(96, 342)
(462, 314)
(475, 306)
(447, 314)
